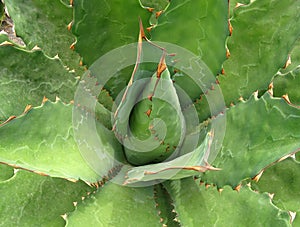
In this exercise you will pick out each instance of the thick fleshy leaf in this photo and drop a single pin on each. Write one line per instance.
(164, 205)
(52, 148)
(200, 206)
(44, 23)
(282, 180)
(151, 128)
(257, 53)
(29, 199)
(101, 26)
(258, 133)
(186, 165)
(115, 205)
(199, 26)
(28, 76)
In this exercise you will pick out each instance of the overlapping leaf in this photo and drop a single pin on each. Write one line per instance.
(52, 149)
(28, 76)
(257, 53)
(44, 23)
(115, 205)
(29, 199)
(198, 206)
(282, 180)
(258, 132)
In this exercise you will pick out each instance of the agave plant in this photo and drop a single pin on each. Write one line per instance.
(205, 133)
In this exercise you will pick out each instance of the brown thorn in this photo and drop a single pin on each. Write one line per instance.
(150, 97)
(70, 26)
(148, 112)
(27, 108)
(45, 99)
(288, 62)
(150, 9)
(161, 66)
(157, 14)
(72, 47)
(223, 71)
(286, 98)
(227, 52)
(230, 27)
(258, 176)
(237, 5)
(8, 120)
(238, 187)
(270, 88)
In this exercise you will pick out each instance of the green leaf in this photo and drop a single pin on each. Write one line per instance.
(42, 140)
(6, 172)
(282, 180)
(199, 26)
(101, 26)
(28, 76)
(200, 206)
(32, 200)
(164, 206)
(115, 205)
(44, 23)
(257, 53)
(183, 166)
(258, 133)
